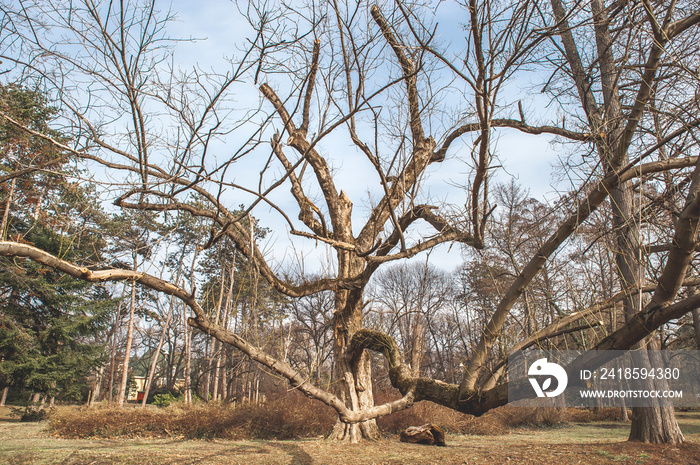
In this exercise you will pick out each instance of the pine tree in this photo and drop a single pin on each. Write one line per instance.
(48, 321)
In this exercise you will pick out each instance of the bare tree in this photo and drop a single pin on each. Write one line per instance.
(409, 300)
(309, 337)
(381, 83)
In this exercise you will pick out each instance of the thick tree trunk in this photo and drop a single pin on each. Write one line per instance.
(355, 390)
(417, 350)
(98, 384)
(656, 424)
(354, 374)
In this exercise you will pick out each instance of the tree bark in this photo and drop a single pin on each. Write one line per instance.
(154, 362)
(6, 214)
(98, 384)
(127, 351)
(656, 424)
(112, 357)
(353, 372)
(696, 324)
(417, 350)
(188, 358)
(4, 396)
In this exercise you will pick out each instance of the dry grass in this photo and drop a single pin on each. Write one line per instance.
(591, 443)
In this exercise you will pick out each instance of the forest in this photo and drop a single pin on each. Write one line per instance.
(358, 198)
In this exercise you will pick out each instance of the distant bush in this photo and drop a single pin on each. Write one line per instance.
(34, 415)
(164, 391)
(30, 412)
(163, 400)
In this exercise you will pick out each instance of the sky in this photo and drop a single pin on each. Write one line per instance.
(218, 27)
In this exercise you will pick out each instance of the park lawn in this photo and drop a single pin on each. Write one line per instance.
(592, 443)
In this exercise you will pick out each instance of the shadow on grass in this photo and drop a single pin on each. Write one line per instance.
(299, 456)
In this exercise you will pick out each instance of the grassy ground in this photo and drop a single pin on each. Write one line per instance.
(592, 443)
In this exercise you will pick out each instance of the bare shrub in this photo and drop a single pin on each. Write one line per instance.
(585, 415)
(285, 417)
(420, 414)
(498, 421)
(292, 415)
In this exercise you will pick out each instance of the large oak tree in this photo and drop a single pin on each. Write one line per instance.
(382, 87)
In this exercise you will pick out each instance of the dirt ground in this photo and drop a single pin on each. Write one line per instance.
(593, 443)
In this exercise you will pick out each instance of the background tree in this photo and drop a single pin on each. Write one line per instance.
(49, 324)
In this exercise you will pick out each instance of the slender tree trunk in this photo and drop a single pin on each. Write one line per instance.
(225, 320)
(127, 351)
(188, 336)
(257, 390)
(225, 385)
(6, 214)
(624, 416)
(4, 396)
(217, 368)
(206, 383)
(37, 207)
(214, 344)
(112, 357)
(188, 358)
(696, 324)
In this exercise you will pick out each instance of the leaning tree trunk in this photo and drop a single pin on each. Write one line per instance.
(354, 375)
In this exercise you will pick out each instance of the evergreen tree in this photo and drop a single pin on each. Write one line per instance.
(48, 321)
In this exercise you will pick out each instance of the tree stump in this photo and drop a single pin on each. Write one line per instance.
(427, 434)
